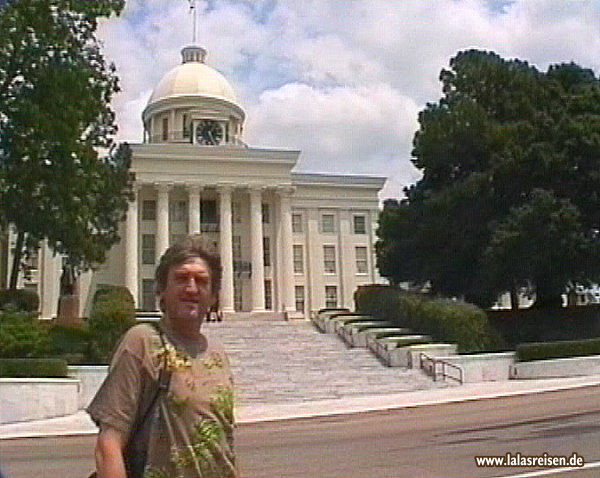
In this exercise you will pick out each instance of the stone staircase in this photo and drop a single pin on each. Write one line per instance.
(279, 362)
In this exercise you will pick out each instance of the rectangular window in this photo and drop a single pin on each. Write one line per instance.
(297, 222)
(299, 293)
(178, 211)
(331, 298)
(165, 129)
(237, 247)
(31, 267)
(268, 295)
(149, 210)
(327, 223)
(148, 249)
(360, 224)
(266, 252)
(32, 259)
(266, 213)
(298, 259)
(237, 294)
(186, 126)
(236, 212)
(148, 295)
(209, 216)
(329, 259)
(361, 259)
(175, 238)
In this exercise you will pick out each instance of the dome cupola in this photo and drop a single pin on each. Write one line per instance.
(193, 103)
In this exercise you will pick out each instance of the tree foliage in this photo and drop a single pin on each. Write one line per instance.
(62, 178)
(510, 192)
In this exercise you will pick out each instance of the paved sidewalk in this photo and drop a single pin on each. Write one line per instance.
(80, 424)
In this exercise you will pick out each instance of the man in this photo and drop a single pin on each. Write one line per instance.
(192, 426)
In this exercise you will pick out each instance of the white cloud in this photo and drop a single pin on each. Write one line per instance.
(338, 129)
(341, 80)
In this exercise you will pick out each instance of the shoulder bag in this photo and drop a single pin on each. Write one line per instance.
(136, 449)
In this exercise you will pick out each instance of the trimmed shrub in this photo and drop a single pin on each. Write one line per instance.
(117, 292)
(72, 344)
(547, 325)
(33, 368)
(554, 350)
(22, 335)
(112, 314)
(444, 319)
(404, 342)
(24, 300)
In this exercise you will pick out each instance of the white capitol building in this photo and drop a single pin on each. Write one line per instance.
(289, 241)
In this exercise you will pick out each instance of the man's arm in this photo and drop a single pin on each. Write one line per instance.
(109, 453)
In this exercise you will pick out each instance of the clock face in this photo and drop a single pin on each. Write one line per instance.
(209, 132)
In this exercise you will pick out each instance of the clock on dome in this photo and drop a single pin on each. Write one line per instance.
(209, 132)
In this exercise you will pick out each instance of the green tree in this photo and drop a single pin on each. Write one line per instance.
(553, 231)
(501, 130)
(62, 177)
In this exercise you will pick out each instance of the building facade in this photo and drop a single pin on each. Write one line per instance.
(289, 241)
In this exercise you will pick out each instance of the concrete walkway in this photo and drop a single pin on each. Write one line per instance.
(80, 424)
(289, 370)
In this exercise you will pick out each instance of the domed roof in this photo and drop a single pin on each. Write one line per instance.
(193, 78)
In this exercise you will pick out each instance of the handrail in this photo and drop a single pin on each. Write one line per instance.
(430, 366)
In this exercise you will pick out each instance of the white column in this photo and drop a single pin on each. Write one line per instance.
(151, 135)
(131, 247)
(172, 126)
(372, 224)
(256, 242)
(286, 279)
(315, 289)
(49, 285)
(346, 261)
(162, 220)
(194, 209)
(226, 244)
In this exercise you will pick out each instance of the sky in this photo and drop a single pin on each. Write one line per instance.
(343, 81)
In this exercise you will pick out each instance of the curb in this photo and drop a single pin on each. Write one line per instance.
(332, 407)
(356, 405)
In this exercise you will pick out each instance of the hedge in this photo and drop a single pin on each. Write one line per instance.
(112, 313)
(117, 292)
(71, 343)
(406, 341)
(22, 335)
(561, 349)
(33, 368)
(25, 300)
(445, 320)
(547, 325)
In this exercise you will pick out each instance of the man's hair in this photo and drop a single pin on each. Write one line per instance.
(183, 250)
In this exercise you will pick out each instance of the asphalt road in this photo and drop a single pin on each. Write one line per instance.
(431, 441)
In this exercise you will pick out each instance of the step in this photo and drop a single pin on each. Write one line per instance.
(278, 362)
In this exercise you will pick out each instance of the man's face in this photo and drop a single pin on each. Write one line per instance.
(188, 294)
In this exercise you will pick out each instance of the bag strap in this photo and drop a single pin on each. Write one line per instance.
(135, 451)
(164, 379)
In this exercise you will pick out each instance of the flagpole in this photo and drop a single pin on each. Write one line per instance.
(194, 38)
(193, 11)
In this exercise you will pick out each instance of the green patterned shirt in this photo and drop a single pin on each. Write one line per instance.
(192, 434)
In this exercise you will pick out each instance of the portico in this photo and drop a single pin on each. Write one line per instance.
(170, 209)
